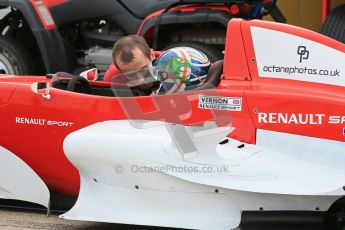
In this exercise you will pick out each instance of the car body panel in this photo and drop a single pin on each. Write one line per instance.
(185, 187)
(28, 186)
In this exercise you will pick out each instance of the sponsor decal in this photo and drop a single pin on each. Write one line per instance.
(303, 53)
(301, 70)
(343, 131)
(299, 118)
(297, 58)
(336, 120)
(42, 122)
(220, 103)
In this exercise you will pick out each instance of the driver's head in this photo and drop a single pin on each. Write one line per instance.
(180, 69)
(132, 53)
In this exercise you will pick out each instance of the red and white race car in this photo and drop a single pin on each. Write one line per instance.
(265, 133)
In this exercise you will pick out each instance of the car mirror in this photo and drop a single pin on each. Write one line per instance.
(90, 75)
(41, 88)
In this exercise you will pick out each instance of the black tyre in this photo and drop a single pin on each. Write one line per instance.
(334, 25)
(211, 52)
(334, 218)
(14, 59)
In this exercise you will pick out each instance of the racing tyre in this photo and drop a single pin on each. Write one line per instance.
(334, 25)
(211, 52)
(14, 59)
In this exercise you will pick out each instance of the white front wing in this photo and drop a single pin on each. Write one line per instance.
(140, 176)
(19, 182)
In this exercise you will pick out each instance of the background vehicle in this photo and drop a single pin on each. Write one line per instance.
(334, 21)
(45, 36)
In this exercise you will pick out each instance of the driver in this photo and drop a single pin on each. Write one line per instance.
(130, 53)
(179, 69)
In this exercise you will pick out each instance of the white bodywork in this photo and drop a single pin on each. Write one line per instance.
(315, 62)
(19, 182)
(144, 176)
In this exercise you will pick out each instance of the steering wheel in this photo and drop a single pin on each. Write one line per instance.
(73, 83)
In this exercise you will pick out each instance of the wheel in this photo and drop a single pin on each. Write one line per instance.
(14, 59)
(334, 218)
(211, 52)
(334, 25)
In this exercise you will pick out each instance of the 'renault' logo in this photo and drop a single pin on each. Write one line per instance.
(303, 53)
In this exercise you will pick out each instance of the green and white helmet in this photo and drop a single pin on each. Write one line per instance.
(180, 69)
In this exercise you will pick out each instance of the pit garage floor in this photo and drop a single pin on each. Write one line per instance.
(18, 215)
(17, 219)
(12, 219)
(24, 220)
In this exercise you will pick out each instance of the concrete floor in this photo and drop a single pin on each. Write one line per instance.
(32, 220)
(23, 220)
(18, 219)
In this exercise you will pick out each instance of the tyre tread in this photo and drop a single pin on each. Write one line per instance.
(19, 56)
(334, 25)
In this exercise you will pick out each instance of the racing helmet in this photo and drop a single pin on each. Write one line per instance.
(180, 69)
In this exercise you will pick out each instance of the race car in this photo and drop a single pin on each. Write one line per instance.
(264, 134)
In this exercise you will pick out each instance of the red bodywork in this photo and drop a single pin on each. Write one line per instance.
(40, 146)
(50, 3)
(326, 7)
(42, 9)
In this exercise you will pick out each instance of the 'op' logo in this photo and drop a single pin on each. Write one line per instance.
(303, 53)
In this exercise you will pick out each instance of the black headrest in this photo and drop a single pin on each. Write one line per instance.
(213, 76)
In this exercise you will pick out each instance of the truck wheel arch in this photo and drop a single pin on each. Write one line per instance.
(49, 41)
